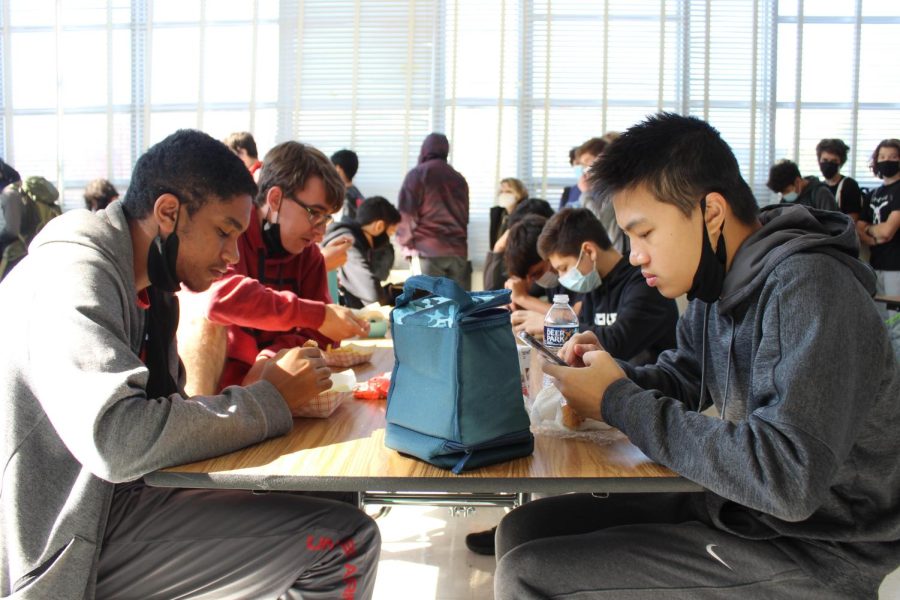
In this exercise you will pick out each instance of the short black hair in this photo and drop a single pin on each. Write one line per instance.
(833, 146)
(348, 161)
(521, 245)
(530, 206)
(8, 175)
(377, 208)
(190, 165)
(680, 160)
(242, 140)
(782, 174)
(568, 230)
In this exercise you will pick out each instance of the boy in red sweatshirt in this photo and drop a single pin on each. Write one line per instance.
(276, 296)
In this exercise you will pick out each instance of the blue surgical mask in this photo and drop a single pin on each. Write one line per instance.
(577, 281)
(577, 171)
(789, 197)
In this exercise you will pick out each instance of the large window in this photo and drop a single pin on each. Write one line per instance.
(88, 85)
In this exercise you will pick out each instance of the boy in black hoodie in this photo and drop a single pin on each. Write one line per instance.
(800, 465)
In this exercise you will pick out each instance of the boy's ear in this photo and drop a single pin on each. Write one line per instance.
(716, 209)
(165, 212)
(378, 227)
(273, 198)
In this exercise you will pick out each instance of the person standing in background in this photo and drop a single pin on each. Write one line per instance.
(878, 230)
(434, 206)
(571, 194)
(243, 144)
(832, 154)
(347, 164)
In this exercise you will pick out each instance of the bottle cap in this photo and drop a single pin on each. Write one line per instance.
(560, 298)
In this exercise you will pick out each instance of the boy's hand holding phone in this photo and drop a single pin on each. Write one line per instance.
(583, 388)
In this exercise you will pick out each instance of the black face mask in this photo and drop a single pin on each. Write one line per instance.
(829, 169)
(887, 168)
(710, 275)
(161, 261)
(271, 235)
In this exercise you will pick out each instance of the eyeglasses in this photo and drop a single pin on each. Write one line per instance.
(316, 216)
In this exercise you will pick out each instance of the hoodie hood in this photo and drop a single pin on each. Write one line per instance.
(435, 146)
(787, 230)
(102, 230)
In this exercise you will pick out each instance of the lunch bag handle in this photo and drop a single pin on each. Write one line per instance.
(439, 286)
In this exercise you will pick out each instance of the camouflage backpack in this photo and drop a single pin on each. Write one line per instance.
(33, 202)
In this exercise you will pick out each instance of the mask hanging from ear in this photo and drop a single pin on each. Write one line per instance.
(162, 259)
(271, 234)
(710, 275)
(577, 281)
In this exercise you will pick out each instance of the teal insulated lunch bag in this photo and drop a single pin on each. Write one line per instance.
(455, 399)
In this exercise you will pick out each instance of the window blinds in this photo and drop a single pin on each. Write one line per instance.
(87, 86)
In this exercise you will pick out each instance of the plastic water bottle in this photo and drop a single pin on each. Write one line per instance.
(560, 324)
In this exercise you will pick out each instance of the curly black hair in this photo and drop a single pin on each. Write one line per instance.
(191, 165)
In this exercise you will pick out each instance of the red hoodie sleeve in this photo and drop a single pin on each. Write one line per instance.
(243, 301)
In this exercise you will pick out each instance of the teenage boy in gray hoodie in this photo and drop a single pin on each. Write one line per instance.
(91, 399)
(799, 465)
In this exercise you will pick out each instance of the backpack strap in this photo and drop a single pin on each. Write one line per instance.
(837, 193)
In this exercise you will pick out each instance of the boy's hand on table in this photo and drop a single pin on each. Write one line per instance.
(341, 323)
(299, 374)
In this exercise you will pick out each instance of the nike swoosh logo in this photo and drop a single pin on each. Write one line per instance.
(709, 550)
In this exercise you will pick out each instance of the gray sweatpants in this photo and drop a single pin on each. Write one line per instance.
(636, 546)
(221, 544)
(453, 267)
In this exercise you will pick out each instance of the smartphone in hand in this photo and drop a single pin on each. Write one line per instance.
(544, 350)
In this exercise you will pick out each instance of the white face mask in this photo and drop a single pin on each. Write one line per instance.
(507, 200)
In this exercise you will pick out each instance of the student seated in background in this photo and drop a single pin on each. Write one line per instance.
(532, 281)
(91, 400)
(785, 180)
(243, 144)
(27, 207)
(495, 274)
(276, 295)
(371, 256)
(799, 467)
(633, 321)
(510, 193)
(99, 193)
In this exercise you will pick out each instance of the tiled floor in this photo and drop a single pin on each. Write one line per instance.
(424, 556)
